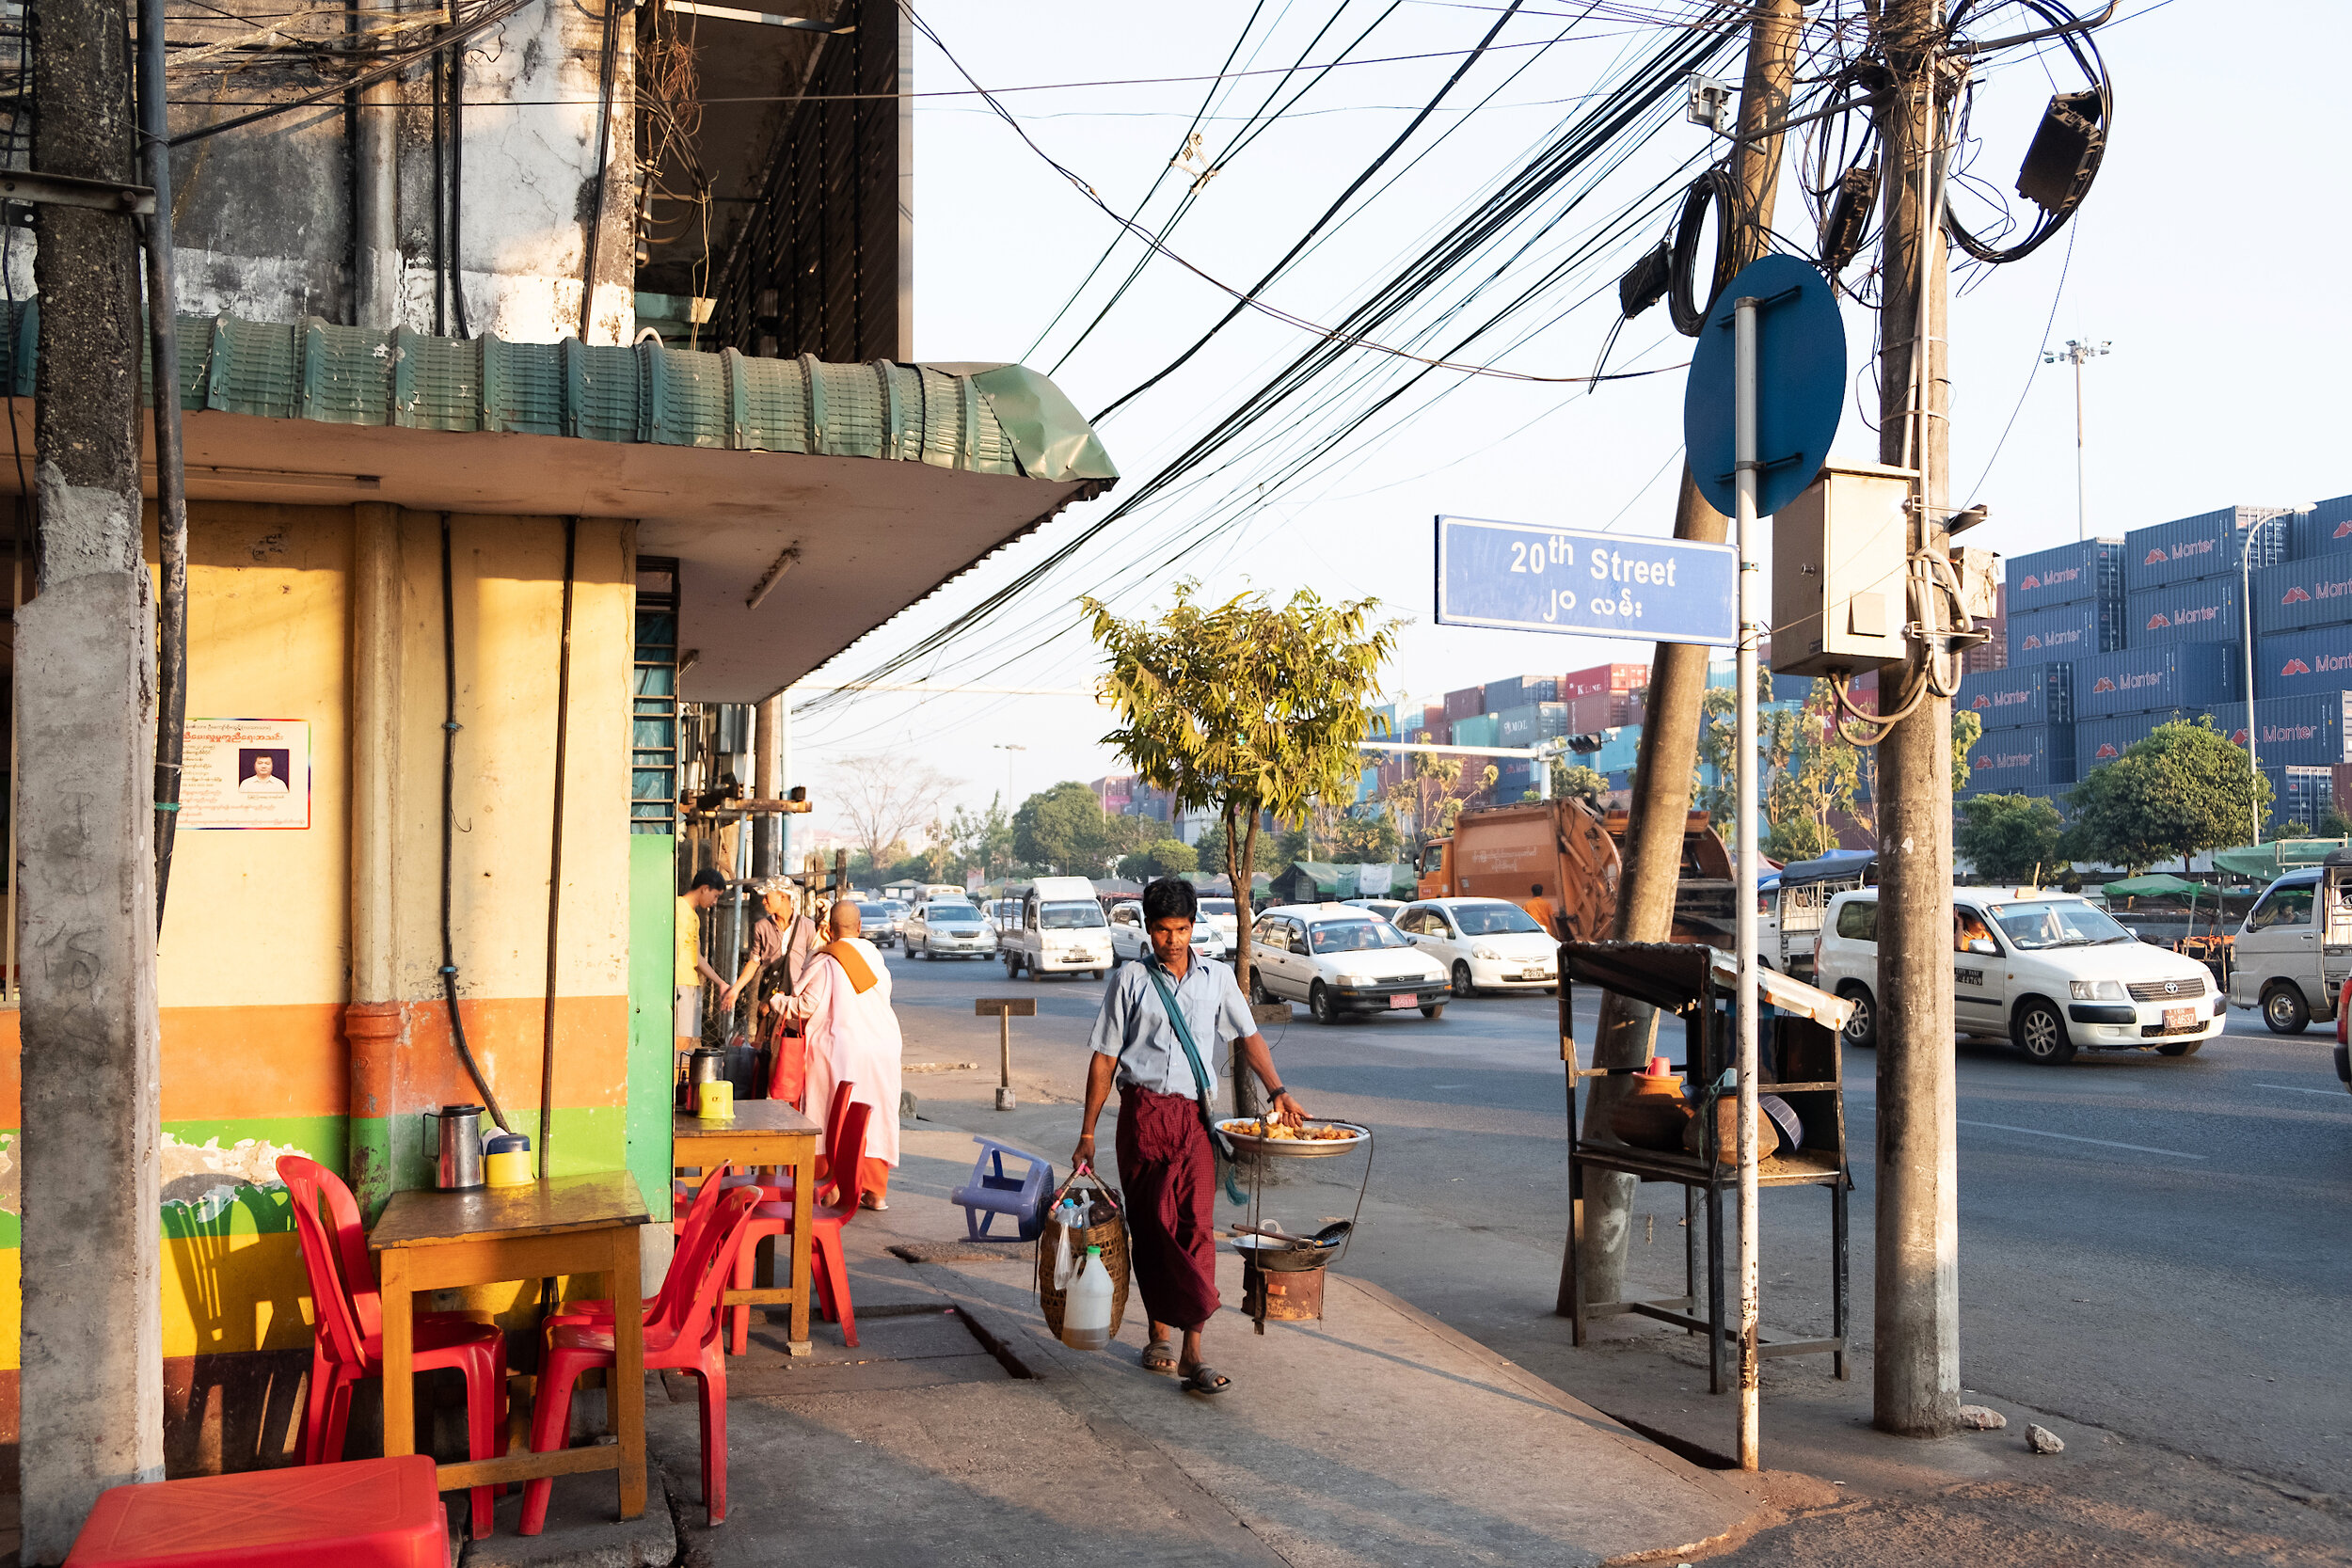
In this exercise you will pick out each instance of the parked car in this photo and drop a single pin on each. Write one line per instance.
(880, 918)
(948, 928)
(2048, 971)
(1131, 943)
(1340, 961)
(1385, 908)
(1062, 931)
(1484, 943)
(1219, 913)
(2279, 960)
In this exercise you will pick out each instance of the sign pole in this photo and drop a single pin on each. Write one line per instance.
(1744, 465)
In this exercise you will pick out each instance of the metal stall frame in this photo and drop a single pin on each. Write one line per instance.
(1695, 983)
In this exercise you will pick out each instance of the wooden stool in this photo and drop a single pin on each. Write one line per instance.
(366, 1513)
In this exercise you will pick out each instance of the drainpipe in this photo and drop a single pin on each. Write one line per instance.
(372, 1025)
(376, 249)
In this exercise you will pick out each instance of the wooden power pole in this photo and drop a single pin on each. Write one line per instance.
(1670, 731)
(91, 1395)
(1916, 1358)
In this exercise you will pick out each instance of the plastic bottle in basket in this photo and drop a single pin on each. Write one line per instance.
(1086, 1316)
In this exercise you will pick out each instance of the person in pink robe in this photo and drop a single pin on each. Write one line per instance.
(842, 1002)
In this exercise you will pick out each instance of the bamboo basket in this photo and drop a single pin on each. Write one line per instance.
(1109, 1233)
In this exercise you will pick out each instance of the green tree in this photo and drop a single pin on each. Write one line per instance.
(2009, 838)
(1167, 857)
(1063, 828)
(884, 798)
(1243, 708)
(1434, 797)
(1574, 781)
(2334, 824)
(1209, 850)
(982, 839)
(2183, 789)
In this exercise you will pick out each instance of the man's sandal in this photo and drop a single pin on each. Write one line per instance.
(1160, 1356)
(1206, 1380)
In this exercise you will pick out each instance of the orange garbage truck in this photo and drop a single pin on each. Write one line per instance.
(1560, 860)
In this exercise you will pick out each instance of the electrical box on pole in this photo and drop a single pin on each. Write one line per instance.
(1838, 572)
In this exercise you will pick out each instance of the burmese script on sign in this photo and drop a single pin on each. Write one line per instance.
(247, 773)
(1530, 576)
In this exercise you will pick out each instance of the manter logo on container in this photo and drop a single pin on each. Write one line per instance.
(2103, 684)
(2295, 667)
(2157, 621)
(2343, 530)
(2159, 556)
(2107, 751)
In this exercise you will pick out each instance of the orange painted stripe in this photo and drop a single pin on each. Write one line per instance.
(230, 1063)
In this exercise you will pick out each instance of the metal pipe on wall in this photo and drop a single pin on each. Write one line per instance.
(555, 849)
(172, 497)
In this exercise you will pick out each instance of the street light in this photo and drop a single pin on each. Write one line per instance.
(2077, 353)
(2245, 630)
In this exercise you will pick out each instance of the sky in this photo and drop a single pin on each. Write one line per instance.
(2203, 255)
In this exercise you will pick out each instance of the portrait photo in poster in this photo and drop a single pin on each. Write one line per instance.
(247, 773)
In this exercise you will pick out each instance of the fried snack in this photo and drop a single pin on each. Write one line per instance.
(1279, 1131)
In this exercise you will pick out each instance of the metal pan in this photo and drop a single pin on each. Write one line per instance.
(1299, 1149)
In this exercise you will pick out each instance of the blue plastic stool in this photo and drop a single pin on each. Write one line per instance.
(991, 1192)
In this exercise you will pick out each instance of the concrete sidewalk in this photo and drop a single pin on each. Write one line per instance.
(959, 1432)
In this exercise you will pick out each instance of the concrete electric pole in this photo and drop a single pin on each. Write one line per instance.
(91, 1394)
(1916, 1360)
(1670, 735)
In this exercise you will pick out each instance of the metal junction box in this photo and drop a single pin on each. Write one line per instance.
(1838, 550)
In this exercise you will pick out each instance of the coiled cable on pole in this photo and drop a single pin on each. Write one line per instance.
(1714, 188)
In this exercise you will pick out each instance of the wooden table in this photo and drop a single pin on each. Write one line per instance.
(762, 1132)
(570, 1225)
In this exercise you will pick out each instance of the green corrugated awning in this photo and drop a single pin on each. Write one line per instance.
(2264, 861)
(2156, 884)
(1006, 421)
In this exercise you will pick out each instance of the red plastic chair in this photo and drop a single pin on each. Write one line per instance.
(347, 1343)
(780, 1190)
(697, 1218)
(847, 1179)
(682, 1335)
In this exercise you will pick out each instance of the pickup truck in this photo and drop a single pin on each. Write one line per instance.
(1062, 931)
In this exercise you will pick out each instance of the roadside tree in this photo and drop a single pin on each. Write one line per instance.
(1167, 857)
(1576, 781)
(1245, 707)
(1063, 828)
(982, 839)
(2182, 790)
(2009, 838)
(886, 798)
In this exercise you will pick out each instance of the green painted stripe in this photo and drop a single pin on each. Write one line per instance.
(652, 1045)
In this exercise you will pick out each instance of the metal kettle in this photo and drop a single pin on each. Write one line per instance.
(457, 1163)
(705, 1064)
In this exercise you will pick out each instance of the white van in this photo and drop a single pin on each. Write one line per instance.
(2279, 960)
(1062, 931)
(2046, 971)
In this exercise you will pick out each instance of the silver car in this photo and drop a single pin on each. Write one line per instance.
(948, 928)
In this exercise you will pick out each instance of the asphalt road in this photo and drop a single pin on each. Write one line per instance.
(2159, 1246)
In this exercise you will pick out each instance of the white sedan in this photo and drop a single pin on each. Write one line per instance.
(1131, 943)
(1484, 943)
(1340, 961)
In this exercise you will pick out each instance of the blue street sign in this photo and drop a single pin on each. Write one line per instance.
(1528, 576)
(1800, 384)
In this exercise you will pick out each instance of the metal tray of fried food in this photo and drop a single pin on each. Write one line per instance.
(1294, 1148)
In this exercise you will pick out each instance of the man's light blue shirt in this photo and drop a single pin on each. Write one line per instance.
(1134, 1026)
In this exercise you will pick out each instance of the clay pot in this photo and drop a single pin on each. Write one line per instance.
(1654, 1115)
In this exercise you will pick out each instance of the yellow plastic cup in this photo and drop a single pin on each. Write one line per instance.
(715, 1100)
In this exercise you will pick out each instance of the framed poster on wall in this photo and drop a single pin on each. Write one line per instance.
(247, 773)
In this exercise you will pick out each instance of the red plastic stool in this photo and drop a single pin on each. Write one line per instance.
(366, 1513)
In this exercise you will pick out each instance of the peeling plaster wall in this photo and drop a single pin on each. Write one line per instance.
(263, 215)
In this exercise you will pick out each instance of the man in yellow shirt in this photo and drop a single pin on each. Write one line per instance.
(694, 970)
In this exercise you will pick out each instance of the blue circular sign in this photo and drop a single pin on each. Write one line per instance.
(1801, 384)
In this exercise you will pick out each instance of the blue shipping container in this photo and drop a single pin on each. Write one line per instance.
(2021, 694)
(2070, 631)
(2086, 569)
(2299, 797)
(2021, 761)
(2200, 546)
(2296, 663)
(1479, 729)
(2323, 528)
(2313, 592)
(2099, 741)
(2303, 732)
(1619, 749)
(2168, 675)
(2201, 610)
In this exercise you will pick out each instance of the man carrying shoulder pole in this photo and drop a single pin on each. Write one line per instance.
(1158, 1017)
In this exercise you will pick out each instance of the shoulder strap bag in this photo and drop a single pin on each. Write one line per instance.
(1220, 1145)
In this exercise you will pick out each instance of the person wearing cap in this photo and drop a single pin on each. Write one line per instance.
(694, 970)
(783, 941)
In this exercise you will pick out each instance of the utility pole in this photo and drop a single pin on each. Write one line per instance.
(91, 1391)
(1915, 1364)
(2077, 353)
(1670, 735)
